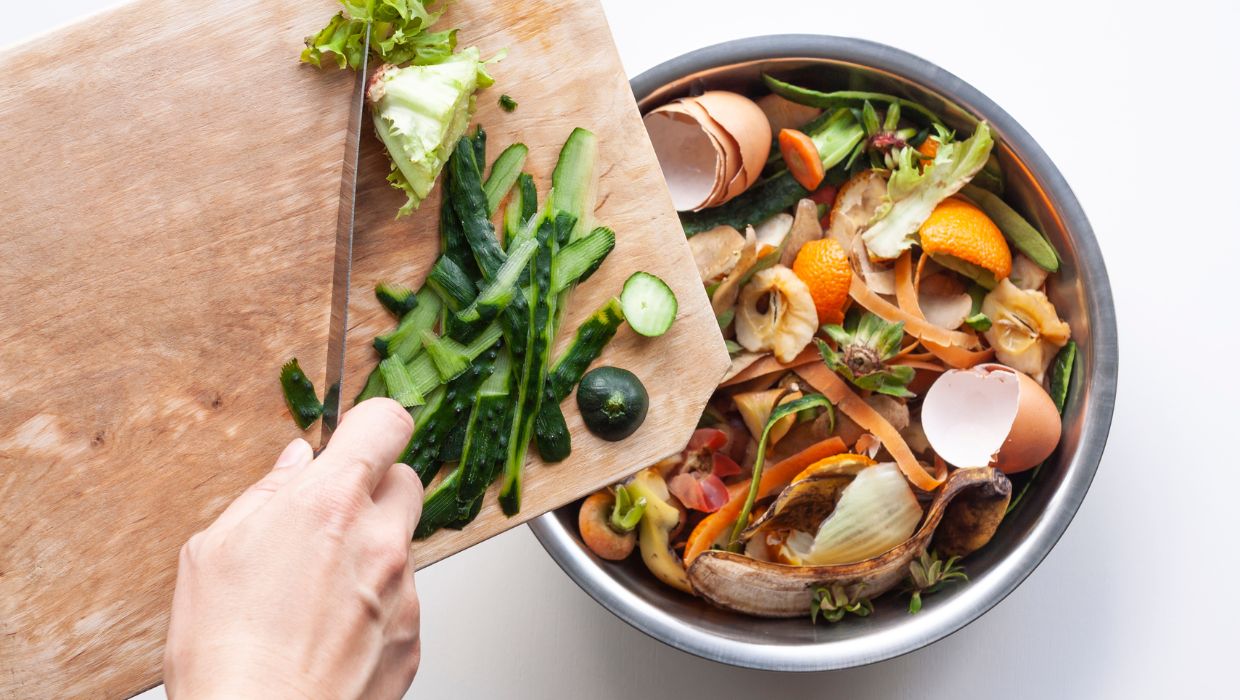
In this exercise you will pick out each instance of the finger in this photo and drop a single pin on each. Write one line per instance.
(398, 498)
(292, 461)
(368, 441)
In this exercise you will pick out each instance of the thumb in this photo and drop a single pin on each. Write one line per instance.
(295, 457)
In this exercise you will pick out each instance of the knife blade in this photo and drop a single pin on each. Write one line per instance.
(338, 328)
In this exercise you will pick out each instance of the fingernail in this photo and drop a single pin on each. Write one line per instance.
(297, 452)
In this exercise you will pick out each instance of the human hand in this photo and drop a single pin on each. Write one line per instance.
(303, 587)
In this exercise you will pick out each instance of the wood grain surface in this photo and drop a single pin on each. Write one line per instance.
(167, 244)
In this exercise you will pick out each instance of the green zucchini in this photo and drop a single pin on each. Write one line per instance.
(427, 374)
(578, 260)
(757, 204)
(496, 296)
(479, 141)
(299, 394)
(442, 412)
(613, 402)
(592, 336)
(405, 341)
(522, 206)
(440, 505)
(574, 191)
(451, 283)
(396, 298)
(400, 383)
(454, 445)
(539, 336)
(574, 182)
(452, 241)
(503, 175)
(529, 198)
(447, 355)
(1023, 236)
(486, 437)
(470, 204)
(550, 431)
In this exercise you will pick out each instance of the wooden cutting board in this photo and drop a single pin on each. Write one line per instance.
(167, 243)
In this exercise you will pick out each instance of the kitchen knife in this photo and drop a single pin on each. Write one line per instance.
(338, 328)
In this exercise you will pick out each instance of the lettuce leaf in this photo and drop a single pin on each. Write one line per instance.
(420, 112)
(398, 34)
(914, 192)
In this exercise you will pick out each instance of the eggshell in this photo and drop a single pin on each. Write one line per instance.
(943, 301)
(990, 415)
(744, 120)
(732, 181)
(782, 113)
(688, 156)
(1035, 434)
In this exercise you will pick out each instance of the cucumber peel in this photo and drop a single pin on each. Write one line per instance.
(299, 394)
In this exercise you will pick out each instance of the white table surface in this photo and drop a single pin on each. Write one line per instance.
(1139, 108)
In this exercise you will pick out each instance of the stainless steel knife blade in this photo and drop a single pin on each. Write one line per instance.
(338, 328)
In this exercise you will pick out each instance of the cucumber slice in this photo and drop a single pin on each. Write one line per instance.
(648, 303)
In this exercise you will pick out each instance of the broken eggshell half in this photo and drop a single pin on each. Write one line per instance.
(766, 589)
(990, 415)
(710, 148)
(688, 156)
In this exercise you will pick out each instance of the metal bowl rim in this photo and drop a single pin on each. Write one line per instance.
(924, 629)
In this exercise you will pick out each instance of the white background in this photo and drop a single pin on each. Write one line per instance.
(1139, 105)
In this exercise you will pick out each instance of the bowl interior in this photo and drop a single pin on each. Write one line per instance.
(1080, 292)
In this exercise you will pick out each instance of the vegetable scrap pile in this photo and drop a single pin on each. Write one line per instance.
(896, 357)
(470, 356)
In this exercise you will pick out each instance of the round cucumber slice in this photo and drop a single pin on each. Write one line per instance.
(648, 304)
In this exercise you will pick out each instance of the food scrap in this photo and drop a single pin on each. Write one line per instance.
(471, 355)
(898, 357)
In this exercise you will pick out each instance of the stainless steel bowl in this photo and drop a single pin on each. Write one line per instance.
(1080, 291)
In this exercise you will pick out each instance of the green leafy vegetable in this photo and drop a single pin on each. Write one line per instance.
(299, 394)
(420, 113)
(507, 104)
(398, 34)
(914, 192)
(862, 356)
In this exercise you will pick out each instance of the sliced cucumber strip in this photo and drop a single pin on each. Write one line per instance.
(396, 298)
(400, 383)
(648, 303)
